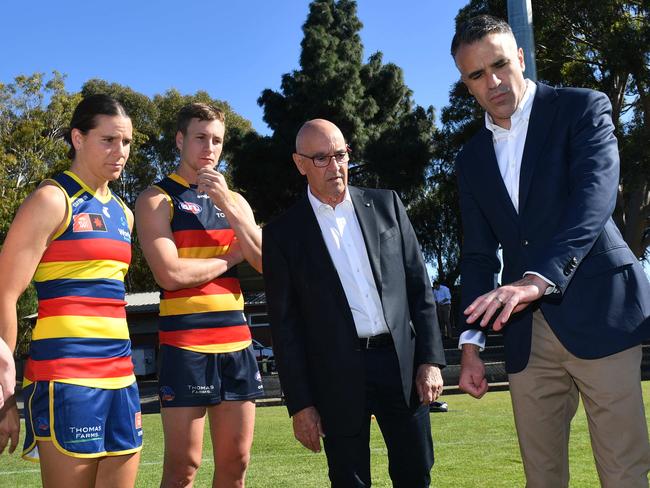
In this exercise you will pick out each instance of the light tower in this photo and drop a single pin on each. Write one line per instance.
(520, 18)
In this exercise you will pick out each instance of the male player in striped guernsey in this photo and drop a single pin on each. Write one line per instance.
(82, 409)
(193, 230)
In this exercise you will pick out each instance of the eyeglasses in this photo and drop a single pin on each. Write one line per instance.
(341, 157)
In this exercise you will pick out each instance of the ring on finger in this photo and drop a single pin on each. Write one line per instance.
(499, 300)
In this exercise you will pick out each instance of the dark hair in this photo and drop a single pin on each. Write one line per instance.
(85, 115)
(201, 111)
(477, 28)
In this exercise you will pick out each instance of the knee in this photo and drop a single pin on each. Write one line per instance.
(233, 466)
(179, 473)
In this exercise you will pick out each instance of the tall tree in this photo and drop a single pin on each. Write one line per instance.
(391, 139)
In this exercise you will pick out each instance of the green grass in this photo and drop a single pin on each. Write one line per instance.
(475, 446)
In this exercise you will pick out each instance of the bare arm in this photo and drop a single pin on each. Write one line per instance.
(238, 212)
(157, 241)
(37, 220)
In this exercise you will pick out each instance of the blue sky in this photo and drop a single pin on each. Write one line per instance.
(232, 49)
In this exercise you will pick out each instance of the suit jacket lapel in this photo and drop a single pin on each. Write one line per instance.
(320, 262)
(539, 125)
(489, 176)
(365, 211)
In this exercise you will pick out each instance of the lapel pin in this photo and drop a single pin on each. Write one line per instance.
(367, 204)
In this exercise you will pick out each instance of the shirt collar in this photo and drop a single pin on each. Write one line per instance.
(320, 207)
(521, 113)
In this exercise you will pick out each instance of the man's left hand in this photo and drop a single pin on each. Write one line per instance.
(510, 299)
(428, 383)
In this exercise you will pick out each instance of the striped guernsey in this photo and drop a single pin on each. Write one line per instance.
(207, 318)
(81, 335)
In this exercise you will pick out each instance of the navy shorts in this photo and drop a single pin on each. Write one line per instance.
(195, 379)
(80, 421)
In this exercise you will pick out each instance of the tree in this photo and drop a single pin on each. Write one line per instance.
(31, 149)
(391, 139)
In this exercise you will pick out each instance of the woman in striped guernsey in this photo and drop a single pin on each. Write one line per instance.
(82, 410)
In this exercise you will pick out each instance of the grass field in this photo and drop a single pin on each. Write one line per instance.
(475, 446)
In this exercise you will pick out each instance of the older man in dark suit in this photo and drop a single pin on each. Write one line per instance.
(540, 180)
(353, 318)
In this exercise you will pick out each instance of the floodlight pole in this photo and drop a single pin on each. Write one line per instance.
(520, 18)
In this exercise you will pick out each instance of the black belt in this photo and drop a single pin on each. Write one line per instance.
(375, 342)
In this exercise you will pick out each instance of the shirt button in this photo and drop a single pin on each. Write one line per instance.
(524, 243)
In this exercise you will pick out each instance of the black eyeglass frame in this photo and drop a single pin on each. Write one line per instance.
(328, 157)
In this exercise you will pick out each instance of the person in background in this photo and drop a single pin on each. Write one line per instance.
(443, 306)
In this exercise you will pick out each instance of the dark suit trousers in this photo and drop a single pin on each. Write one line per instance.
(406, 431)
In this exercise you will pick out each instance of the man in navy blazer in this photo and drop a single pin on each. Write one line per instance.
(354, 322)
(540, 182)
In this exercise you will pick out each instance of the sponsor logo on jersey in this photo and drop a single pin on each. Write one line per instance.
(85, 433)
(88, 222)
(200, 389)
(79, 201)
(190, 207)
(126, 235)
(105, 212)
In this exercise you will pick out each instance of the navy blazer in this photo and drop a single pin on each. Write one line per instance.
(563, 229)
(314, 337)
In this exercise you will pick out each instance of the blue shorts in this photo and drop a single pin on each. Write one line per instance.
(82, 422)
(195, 379)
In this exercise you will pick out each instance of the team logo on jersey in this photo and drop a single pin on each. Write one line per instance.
(105, 212)
(42, 423)
(88, 222)
(167, 393)
(190, 207)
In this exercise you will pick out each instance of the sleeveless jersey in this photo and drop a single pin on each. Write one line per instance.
(81, 335)
(207, 318)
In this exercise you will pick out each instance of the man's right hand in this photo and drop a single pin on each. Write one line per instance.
(472, 372)
(307, 428)
(9, 425)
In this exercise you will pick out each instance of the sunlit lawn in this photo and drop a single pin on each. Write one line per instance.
(475, 446)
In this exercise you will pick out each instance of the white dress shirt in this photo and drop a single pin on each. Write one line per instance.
(346, 247)
(509, 149)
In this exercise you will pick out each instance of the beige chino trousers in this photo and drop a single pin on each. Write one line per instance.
(545, 398)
